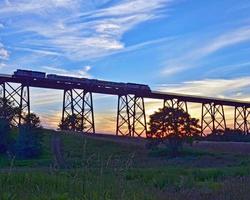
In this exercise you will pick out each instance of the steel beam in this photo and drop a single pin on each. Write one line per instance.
(242, 119)
(175, 103)
(212, 118)
(79, 103)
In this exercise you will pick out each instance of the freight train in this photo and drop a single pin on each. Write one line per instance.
(90, 82)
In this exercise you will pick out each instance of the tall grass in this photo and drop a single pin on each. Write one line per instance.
(107, 170)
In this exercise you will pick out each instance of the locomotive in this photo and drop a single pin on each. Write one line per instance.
(28, 74)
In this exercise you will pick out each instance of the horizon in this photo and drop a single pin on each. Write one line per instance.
(171, 45)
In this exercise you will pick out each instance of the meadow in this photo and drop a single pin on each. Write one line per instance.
(97, 167)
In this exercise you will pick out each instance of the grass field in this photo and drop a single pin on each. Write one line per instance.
(113, 168)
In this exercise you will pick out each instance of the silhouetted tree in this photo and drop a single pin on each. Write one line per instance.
(32, 120)
(228, 134)
(173, 126)
(29, 141)
(7, 113)
(8, 110)
(72, 123)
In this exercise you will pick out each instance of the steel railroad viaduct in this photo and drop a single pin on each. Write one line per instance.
(131, 117)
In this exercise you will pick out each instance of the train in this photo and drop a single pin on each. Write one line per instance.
(89, 82)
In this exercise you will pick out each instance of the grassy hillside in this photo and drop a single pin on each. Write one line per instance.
(113, 168)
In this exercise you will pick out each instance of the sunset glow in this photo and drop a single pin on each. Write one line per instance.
(156, 42)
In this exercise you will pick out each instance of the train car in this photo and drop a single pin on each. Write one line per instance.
(63, 78)
(28, 73)
(110, 84)
(135, 86)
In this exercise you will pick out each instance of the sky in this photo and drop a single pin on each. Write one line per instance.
(183, 46)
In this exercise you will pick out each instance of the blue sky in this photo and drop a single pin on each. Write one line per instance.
(186, 46)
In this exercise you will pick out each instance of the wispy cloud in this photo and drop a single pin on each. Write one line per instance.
(76, 29)
(236, 88)
(38, 51)
(2, 65)
(229, 69)
(190, 59)
(4, 54)
(32, 6)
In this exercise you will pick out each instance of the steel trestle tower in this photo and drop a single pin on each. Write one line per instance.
(80, 104)
(131, 116)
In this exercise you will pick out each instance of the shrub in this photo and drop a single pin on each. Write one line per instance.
(29, 142)
(4, 135)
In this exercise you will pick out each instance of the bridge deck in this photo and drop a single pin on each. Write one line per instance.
(61, 85)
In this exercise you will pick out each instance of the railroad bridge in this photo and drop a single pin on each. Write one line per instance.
(131, 114)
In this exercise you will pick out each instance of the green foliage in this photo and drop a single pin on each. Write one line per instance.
(101, 183)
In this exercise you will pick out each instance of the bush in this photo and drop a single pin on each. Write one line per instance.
(29, 142)
(5, 139)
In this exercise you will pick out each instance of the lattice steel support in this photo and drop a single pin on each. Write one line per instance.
(19, 95)
(212, 117)
(131, 116)
(139, 118)
(124, 115)
(24, 103)
(242, 119)
(175, 103)
(80, 104)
